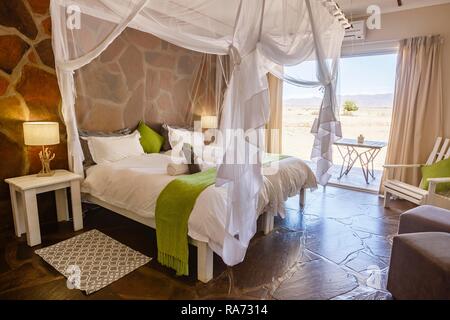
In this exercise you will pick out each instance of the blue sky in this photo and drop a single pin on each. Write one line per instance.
(357, 75)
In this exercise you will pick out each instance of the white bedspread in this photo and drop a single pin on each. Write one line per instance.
(292, 175)
(135, 183)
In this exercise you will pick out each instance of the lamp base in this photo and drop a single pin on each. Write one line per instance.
(45, 174)
(46, 156)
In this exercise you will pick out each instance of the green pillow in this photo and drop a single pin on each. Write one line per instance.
(440, 169)
(150, 140)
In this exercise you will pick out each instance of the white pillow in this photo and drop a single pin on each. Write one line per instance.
(112, 149)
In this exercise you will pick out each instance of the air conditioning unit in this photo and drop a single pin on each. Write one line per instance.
(356, 32)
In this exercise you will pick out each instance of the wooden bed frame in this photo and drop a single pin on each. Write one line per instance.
(204, 252)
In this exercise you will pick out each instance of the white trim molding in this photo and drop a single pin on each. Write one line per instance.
(366, 48)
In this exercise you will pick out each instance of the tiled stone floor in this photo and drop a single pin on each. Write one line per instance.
(336, 248)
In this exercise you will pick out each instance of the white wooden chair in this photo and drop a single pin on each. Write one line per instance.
(416, 194)
(438, 199)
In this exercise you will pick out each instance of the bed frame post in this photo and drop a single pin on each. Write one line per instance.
(267, 222)
(302, 198)
(205, 259)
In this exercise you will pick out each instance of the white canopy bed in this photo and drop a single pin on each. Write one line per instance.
(118, 187)
(260, 36)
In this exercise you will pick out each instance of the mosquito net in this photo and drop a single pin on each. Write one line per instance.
(109, 54)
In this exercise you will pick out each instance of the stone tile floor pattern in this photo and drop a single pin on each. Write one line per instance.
(337, 247)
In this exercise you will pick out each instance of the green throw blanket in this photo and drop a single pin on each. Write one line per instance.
(173, 208)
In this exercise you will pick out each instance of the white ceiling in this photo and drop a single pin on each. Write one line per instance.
(359, 7)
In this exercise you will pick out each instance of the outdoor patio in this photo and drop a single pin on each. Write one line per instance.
(354, 179)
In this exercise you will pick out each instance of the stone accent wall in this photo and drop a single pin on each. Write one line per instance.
(28, 92)
(138, 77)
(158, 86)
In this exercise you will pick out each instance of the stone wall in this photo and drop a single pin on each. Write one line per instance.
(28, 92)
(158, 85)
(138, 77)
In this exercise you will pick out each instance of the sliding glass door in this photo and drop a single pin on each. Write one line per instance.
(365, 94)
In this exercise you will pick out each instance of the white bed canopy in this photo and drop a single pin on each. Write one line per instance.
(260, 36)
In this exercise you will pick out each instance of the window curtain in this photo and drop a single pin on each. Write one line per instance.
(417, 118)
(275, 125)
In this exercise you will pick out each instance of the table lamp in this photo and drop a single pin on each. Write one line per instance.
(42, 134)
(209, 122)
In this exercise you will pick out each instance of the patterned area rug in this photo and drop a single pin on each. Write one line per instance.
(92, 260)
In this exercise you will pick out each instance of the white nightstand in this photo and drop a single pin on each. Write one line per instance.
(24, 204)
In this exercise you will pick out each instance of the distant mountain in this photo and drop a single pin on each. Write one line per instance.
(363, 101)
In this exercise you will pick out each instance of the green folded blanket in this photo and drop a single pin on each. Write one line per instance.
(173, 208)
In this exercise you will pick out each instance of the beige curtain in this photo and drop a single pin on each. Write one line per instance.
(202, 96)
(209, 86)
(275, 124)
(417, 117)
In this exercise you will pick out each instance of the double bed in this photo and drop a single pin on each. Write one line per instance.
(131, 187)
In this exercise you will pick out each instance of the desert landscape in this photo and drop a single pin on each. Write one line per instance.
(372, 122)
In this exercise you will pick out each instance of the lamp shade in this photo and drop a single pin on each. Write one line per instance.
(209, 122)
(41, 133)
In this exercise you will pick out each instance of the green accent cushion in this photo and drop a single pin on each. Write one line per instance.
(440, 169)
(150, 140)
